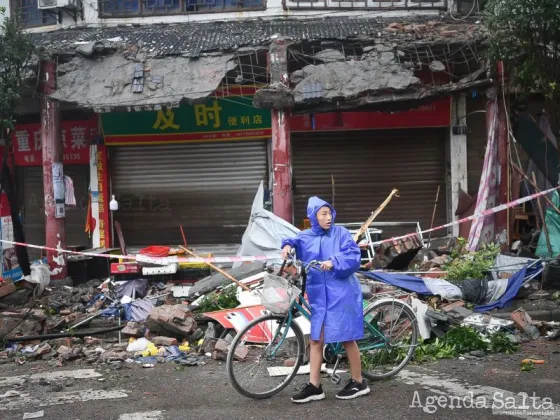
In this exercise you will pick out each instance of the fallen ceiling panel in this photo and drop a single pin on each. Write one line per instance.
(114, 81)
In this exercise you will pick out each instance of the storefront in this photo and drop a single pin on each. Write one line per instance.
(369, 153)
(76, 138)
(194, 166)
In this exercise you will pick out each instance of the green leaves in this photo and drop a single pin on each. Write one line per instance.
(525, 35)
(226, 299)
(16, 50)
(501, 343)
(462, 340)
(472, 265)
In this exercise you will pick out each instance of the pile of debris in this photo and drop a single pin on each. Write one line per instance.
(128, 321)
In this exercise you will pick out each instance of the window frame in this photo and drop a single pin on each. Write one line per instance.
(176, 12)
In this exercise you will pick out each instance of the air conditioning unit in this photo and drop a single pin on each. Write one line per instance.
(47, 4)
(53, 4)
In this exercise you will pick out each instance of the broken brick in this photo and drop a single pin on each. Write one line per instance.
(164, 341)
(44, 349)
(92, 341)
(67, 341)
(208, 345)
(63, 350)
(222, 348)
(133, 329)
(522, 320)
(396, 25)
(172, 319)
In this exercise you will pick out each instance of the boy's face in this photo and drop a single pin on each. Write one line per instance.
(324, 217)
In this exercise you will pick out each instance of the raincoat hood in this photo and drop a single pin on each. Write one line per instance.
(313, 206)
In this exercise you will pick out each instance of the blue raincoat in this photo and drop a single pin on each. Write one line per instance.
(335, 296)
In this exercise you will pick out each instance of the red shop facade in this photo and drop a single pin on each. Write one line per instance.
(76, 138)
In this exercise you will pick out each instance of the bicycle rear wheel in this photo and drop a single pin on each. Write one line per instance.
(390, 338)
(274, 353)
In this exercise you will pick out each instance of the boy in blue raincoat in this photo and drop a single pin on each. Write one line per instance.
(335, 297)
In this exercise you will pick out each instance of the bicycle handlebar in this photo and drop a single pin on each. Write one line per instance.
(305, 265)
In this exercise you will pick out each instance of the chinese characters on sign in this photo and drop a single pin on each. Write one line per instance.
(165, 121)
(103, 190)
(225, 119)
(203, 113)
(76, 138)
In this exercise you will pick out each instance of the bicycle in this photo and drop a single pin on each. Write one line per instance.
(287, 311)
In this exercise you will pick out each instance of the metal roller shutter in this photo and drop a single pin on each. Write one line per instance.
(207, 188)
(366, 165)
(34, 206)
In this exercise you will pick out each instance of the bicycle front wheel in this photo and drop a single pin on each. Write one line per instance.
(391, 334)
(265, 356)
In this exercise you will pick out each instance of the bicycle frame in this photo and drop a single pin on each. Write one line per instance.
(301, 306)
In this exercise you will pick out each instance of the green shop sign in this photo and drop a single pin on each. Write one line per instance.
(226, 119)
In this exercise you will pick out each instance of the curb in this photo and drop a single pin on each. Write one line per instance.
(540, 315)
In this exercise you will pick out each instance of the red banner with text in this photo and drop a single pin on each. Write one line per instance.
(76, 139)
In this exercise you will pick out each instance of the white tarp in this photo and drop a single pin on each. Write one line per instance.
(265, 230)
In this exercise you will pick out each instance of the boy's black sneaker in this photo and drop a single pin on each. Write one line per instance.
(353, 389)
(309, 392)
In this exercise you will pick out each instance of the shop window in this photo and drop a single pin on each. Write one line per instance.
(32, 17)
(123, 8)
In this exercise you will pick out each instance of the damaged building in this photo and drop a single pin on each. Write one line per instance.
(168, 120)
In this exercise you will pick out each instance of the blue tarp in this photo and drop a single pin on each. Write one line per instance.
(416, 284)
(514, 284)
(410, 283)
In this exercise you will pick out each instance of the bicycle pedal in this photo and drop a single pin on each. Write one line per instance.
(335, 379)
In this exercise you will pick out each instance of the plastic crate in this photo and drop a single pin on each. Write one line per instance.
(155, 251)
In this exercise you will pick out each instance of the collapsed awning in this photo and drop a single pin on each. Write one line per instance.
(113, 81)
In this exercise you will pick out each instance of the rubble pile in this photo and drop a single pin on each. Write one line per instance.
(153, 328)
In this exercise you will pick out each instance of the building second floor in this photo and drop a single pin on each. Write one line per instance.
(48, 15)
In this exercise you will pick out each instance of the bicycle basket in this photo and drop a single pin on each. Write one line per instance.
(277, 294)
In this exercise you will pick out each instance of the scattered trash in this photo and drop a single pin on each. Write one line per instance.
(533, 361)
(524, 322)
(36, 415)
(10, 394)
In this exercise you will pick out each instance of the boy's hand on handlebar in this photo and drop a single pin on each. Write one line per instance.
(327, 265)
(286, 252)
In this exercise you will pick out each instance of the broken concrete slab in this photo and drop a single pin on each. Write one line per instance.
(376, 73)
(21, 324)
(100, 83)
(11, 381)
(453, 305)
(460, 313)
(330, 55)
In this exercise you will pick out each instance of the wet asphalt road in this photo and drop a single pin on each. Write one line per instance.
(167, 392)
